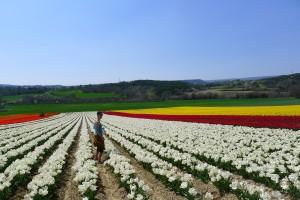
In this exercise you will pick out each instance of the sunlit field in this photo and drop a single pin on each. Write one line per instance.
(54, 157)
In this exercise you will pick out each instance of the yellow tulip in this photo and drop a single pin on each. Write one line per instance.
(293, 110)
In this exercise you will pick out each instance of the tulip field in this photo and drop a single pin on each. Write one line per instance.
(253, 116)
(170, 153)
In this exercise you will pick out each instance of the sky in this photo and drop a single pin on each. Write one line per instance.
(72, 42)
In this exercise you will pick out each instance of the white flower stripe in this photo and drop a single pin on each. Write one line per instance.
(20, 168)
(44, 182)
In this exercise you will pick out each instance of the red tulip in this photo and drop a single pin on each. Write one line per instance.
(289, 122)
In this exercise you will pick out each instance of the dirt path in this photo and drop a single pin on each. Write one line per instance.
(67, 189)
(209, 187)
(109, 188)
(160, 192)
(20, 193)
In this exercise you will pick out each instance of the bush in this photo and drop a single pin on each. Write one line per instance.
(295, 91)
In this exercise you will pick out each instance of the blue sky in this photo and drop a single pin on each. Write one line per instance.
(87, 42)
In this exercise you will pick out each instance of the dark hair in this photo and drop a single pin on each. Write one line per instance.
(99, 113)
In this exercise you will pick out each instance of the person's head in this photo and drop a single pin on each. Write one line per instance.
(99, 115)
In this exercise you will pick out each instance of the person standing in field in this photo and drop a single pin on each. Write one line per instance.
(98, 137)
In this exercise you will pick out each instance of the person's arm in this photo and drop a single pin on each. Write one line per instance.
(103, 131)
(97, 128)
(98, 124)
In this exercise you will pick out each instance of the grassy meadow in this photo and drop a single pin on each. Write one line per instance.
(80, 94)
(69, 93)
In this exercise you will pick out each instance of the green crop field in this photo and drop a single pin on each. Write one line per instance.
(75, 93)
(80, 94)
(12, 98)
(38, 108)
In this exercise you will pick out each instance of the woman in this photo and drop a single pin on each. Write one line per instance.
(98, 137)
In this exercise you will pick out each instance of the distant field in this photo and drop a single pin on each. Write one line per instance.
(17, 109)
(75, 93)
(17, 97)
(80, 94)
(12, 98)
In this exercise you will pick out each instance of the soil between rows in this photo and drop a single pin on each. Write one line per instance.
(109, 188)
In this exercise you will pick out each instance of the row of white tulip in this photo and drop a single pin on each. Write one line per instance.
(10, 130)
(17, 125)
(269, 156)
(43, 184)
(231, 137)
(12, 154)
(222, 179)
(18, 170)
(14, 135)
(120, 165)
(29, 136)
(171, 176)
(85, 168)
(11, 134)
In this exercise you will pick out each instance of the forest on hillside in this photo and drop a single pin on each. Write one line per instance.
(152, 90)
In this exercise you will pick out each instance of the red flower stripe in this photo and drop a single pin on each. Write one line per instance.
(289, 122)
(11, 119)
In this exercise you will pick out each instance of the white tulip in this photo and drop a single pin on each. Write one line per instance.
(208, 196)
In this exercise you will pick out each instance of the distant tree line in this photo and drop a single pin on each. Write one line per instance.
(234, 95)
(48, 99)
(149, 90)
(295, 91)
(2, 103)
(21, 90)
(140, 89)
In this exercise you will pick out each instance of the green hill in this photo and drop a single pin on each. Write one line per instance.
(80, 94)
(150, 90)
